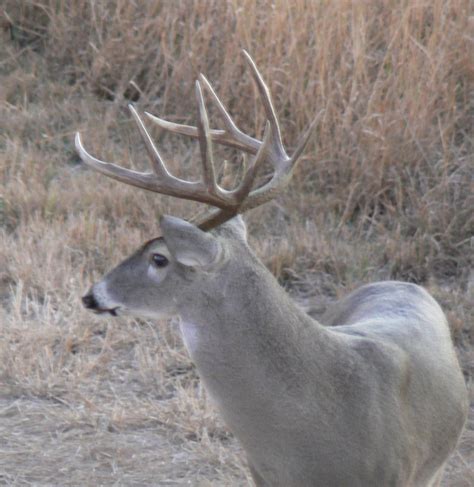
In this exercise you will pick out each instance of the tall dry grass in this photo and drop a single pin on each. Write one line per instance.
(385, 190)
(394, 148)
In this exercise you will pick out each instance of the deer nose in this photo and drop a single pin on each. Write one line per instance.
(89, 301)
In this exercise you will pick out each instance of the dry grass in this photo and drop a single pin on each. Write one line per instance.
(384, 191)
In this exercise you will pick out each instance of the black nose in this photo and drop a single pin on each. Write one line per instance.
(89, 301)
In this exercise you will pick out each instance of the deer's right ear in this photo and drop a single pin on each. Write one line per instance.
(188, 244)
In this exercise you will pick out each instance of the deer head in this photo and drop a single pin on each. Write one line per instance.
(185, 245)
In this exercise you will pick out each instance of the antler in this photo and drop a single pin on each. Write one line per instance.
(228, 203)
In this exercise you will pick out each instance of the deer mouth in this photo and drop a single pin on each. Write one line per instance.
(90, 302)
(110, 311)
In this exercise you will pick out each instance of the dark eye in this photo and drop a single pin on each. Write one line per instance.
(159, 260)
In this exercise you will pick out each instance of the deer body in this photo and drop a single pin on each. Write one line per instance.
(378, 399)
(375, 397)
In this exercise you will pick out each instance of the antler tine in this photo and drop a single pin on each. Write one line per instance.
(219, 136)
(139, 179)
(205, 143)
(268, 105)
(244, 141)
(305, 138)
(158, 164)
(243, 190)
(282, 174)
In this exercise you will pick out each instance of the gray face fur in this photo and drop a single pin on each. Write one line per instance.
(142, 287)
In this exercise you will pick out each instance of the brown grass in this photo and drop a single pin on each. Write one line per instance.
(385, 190)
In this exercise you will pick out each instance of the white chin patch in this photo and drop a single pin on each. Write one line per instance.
(102, 296)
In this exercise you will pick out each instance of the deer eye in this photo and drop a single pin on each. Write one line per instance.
(159, 260)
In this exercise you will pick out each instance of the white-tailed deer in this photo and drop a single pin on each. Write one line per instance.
(374, 397)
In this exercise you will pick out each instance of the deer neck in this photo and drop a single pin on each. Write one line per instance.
(252, 342)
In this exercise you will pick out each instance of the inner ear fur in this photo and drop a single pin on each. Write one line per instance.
(187, 243)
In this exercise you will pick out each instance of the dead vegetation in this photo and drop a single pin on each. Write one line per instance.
(385, 190)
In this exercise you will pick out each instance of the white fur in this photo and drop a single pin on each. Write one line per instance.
(155, 274)
(102, 296)
(192, 336)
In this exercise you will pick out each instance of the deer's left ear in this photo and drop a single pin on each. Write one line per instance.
(187, 243)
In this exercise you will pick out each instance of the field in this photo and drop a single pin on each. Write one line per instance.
(385, 190)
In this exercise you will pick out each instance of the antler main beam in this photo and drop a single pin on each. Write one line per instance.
(228, 203)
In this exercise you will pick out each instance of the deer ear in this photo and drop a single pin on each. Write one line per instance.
(187, 243)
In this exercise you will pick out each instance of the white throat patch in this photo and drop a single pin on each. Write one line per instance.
(192, 336)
